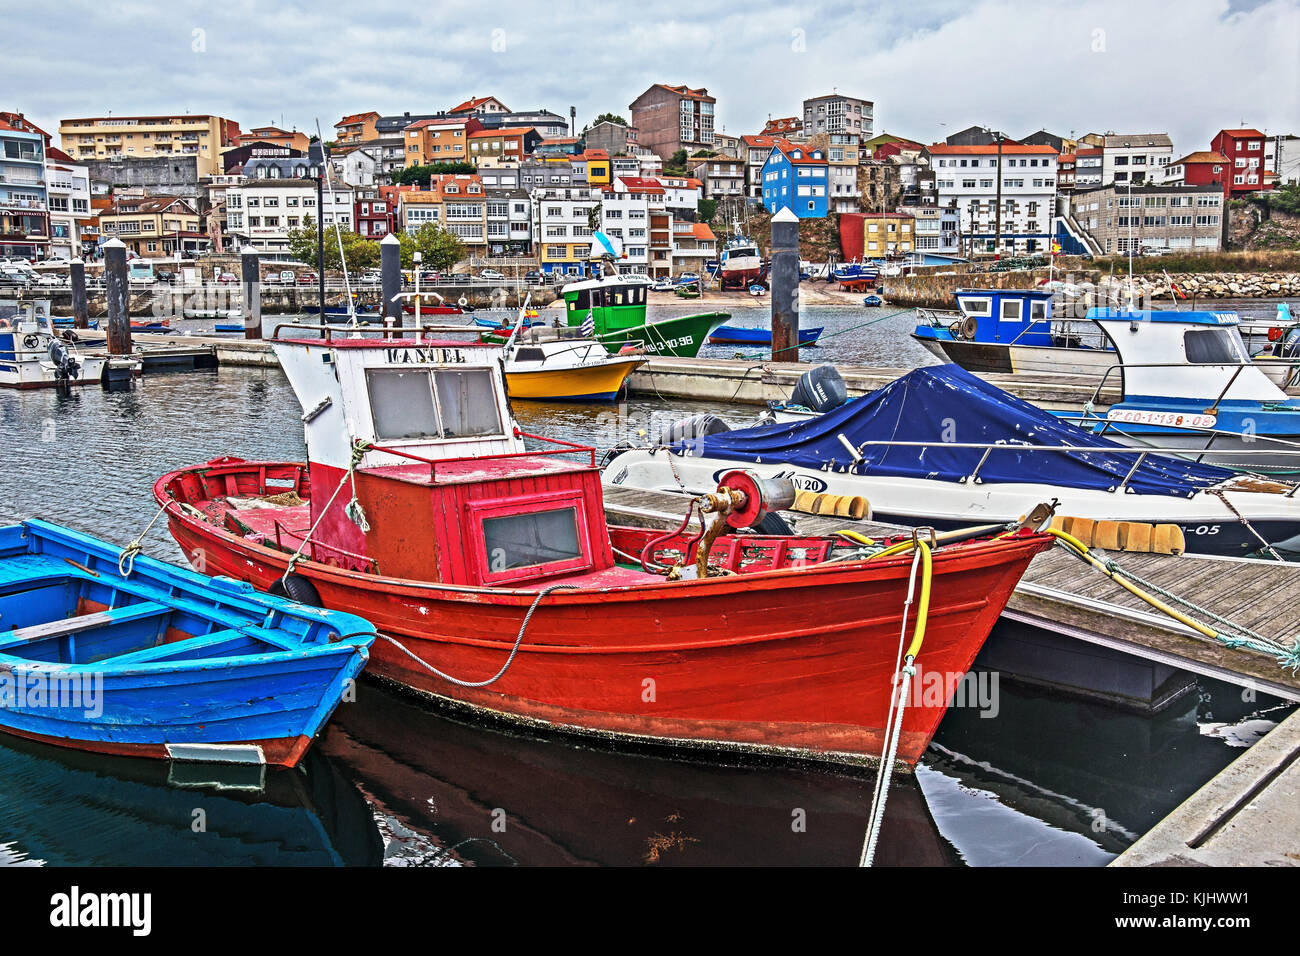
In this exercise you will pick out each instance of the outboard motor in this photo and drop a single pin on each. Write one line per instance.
(697, 426)
(65, 366)
(820, 389)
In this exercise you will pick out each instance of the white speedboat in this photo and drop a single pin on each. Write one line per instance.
(941, 447)
(34, 355)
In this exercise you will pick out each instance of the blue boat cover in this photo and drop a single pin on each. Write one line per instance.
(945, 404)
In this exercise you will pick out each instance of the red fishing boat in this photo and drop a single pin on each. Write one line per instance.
(491, 571)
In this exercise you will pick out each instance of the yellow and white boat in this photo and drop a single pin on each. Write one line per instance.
(565, 369)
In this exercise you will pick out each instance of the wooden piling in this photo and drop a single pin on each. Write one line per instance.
(77, 276)
(785, 286)
(117, 290)
(390, 275)
(250, 282)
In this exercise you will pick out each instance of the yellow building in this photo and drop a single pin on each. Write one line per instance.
(149, 137)
(356, 128)
(443, 139)
(154, 226)
(881, 234)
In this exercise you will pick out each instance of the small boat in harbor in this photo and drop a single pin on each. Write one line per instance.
(739, 335)
(34, 355)
(757, 290)
(571, 370)
(157, 328)
(941, 447)
(872, 301)
(740, 264)
(492, 566)
(617, 310)
(135, 657)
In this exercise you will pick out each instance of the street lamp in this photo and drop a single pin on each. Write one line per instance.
(997, 212)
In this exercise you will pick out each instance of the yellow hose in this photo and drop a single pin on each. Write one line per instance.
(857, 536)
(923, 605)
(1080, 549)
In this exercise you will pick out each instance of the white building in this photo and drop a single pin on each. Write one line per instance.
(1134, 157)
(1283, 158)
(626, 217)
(682, 194)
(837, 113)
(358, 167)
(967, 177)
(262, 212)
(68, 194)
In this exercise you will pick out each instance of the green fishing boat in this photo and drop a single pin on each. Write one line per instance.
(617, 309)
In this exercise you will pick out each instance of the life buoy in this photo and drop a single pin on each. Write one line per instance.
(462, 302)
(1274, 334)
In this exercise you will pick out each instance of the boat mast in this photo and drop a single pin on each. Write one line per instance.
(338, 235)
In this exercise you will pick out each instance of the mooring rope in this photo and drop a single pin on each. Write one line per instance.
(1229, 633)
(1219, 493)
(353, 508)
(519, 639)
(126, 560)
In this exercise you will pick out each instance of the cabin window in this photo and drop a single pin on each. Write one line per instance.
(1011, 309)
(468, 403)
(530, 355)
(532, 539)
(1211, 347)
(405, 405)
(401, 404)
(977, 306)
(1037, 311)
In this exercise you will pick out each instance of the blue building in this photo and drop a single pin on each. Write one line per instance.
(24, 203)
(796, 178)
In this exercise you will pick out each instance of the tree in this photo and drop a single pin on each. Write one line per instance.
(677, 160)
(610, 118)
(439, 249)
(415, 175)
(359, 253)
(706, 209)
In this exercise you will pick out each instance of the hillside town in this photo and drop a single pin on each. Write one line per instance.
(662, 178)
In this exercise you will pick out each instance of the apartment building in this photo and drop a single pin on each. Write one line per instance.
(372, 213)
(292, 138)
(669, 118)
(155, 226)
(24, 200)
(1181, 218)
(837, 113)
(966, 177)
(508, 143)
(693, 245)
(1128, 157)
(842, 151)
(68, 190)
(937, 230)
(796, 177)
(509, 221)
(147, 137)
(1247, 160)
(625, 216)
(870, 235)
(355, 129)
(723, 178)
(442, 139)
(479, 105)
(464, 209)
(262, 212)
(563, 220)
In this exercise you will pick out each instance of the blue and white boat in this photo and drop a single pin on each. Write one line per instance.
(161, 661)
(943, 448)
(1188, 382)
(854, 272)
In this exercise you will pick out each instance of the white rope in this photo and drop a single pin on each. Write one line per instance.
(519, 639)
(893, 728)
(126, 560)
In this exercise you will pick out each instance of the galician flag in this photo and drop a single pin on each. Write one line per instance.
(589, 324)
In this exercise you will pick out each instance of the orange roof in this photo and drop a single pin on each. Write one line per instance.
(472, 104)
(354, 118)
(702, 232)
(1239, 133)
(1202, 156)
(686, 91)
(1008, 149)
(594, 154)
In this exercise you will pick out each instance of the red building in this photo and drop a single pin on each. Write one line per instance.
(372, 213)
(1204, 168)
(1244, 151)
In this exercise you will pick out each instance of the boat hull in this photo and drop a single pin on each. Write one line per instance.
(588, 383)
(737, 662)
(730, 334)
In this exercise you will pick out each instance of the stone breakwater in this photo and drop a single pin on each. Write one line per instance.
(1222, 285)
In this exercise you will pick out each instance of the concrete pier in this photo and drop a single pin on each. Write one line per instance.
(1248, 815)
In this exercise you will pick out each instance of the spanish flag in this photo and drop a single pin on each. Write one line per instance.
(1056, 247)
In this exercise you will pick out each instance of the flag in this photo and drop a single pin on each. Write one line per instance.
(1174, 287)
(589, 324)
(1056, 247)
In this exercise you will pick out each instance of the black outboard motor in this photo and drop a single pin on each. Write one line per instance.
(65, 366)
(820, 389)
(697, 426)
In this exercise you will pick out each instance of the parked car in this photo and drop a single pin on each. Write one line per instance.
(491, 275)
(430, 276)
(533, 277)
(227, 278)
(458, 278)
(373, 277)
(13, 279)
(163, 275)
(48, 280)
(288, 277)
(307, 278)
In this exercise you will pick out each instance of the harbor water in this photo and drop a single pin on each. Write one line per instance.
(1045, 780)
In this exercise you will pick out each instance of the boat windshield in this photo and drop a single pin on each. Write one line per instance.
(1213, 347)
(408, 404)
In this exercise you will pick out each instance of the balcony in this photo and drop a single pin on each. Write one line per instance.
(33, 204)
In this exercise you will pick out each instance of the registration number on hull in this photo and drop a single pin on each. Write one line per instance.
(1136, 416)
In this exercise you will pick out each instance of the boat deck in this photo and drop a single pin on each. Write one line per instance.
(1059, 593)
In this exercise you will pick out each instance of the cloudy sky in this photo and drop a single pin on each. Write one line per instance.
(932, 67)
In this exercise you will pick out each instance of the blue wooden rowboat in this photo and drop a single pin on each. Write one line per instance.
(737, 335)
(228, 327)
(163, 662)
